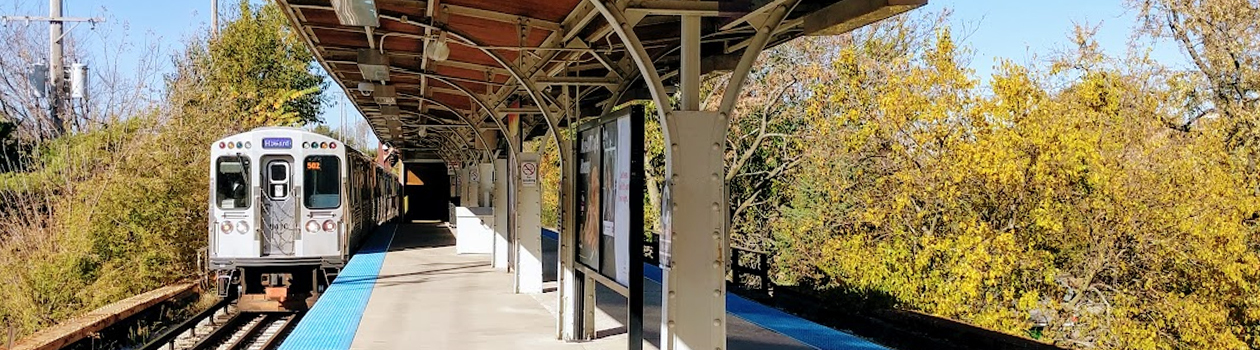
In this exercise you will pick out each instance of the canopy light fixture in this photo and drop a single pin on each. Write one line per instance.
(374, 65)
(356, 13)
(437, 49)
(366, 88)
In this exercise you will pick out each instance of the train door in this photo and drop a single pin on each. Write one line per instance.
(279, 207)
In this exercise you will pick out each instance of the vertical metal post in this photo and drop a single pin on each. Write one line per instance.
(501, 242)
(570, 287)
(588, 307)
(529, 270)
(694, 302)
(690, 70)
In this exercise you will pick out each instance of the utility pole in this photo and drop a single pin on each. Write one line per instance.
(214, 18)
(57, 100)
(56, 67)
(343, 123)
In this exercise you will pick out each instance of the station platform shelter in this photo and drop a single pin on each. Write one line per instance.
(409, 289)
(477, 88)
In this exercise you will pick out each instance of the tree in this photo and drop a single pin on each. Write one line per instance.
(1222, 38)
(1070, 200)
(120, 208)
(255, 61)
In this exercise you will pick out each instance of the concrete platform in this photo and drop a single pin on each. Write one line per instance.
(410, 290)
(428, 297)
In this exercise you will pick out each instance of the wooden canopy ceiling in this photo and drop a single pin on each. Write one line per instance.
(564, 49)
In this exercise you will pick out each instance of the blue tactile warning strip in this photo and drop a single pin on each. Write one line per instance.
(333, 321)
(799, 329)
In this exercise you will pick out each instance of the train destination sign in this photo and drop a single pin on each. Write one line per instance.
(277, 142)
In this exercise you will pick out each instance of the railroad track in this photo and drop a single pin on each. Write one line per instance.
(223, 328)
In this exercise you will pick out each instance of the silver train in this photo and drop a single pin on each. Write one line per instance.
(287, 209)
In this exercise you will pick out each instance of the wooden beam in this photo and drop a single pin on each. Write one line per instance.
(80, 327)
(845, 16)
(673, 8)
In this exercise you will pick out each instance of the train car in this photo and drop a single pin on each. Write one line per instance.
(287, 209)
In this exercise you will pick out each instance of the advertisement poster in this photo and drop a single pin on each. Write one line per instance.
(609, 192)
(589, 223)
(608, 152)
(621, 214)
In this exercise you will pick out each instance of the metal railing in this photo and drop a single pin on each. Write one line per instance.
(749, 269)
(651, 248)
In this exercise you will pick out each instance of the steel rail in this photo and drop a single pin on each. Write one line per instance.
(170, 335)
(212, 340)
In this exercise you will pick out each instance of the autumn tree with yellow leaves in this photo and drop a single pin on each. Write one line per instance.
(1093, 196)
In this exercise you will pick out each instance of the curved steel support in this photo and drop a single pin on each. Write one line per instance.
(484, 106)
(527, 84)
(461, 117)
(758, 43)
(647, 69)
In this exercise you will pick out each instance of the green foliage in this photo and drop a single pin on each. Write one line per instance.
(107, 213)
(549, 172)
(257, 56)
(1074, 200)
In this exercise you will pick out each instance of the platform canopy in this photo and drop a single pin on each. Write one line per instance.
(446, 78)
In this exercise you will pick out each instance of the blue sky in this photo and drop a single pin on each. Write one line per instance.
(1022, 31)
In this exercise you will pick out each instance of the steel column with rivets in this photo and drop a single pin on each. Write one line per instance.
(694, 298)
(501, 243)
(570, 300)
(529, 270)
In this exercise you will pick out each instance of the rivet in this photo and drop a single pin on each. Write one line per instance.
(717, 322)
(717, 146)
(717, 292)
(672, 294)
(671, 323)
(717, 264)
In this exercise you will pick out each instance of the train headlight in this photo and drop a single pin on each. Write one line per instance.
(329, 225)
(312, 226)
(225, 227)
(242, 227)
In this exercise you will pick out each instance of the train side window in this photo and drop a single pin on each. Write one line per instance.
(231, 182)
(322, 182)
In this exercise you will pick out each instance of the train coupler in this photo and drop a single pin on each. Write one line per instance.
(223, 284)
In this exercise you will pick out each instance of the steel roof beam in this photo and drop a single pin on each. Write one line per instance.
(673, 8)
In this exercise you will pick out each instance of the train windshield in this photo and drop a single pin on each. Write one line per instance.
(321, 183)
(231, 184)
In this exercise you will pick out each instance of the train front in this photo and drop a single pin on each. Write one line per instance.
(277, 217)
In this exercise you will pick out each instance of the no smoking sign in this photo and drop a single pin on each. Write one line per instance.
(529, 173)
